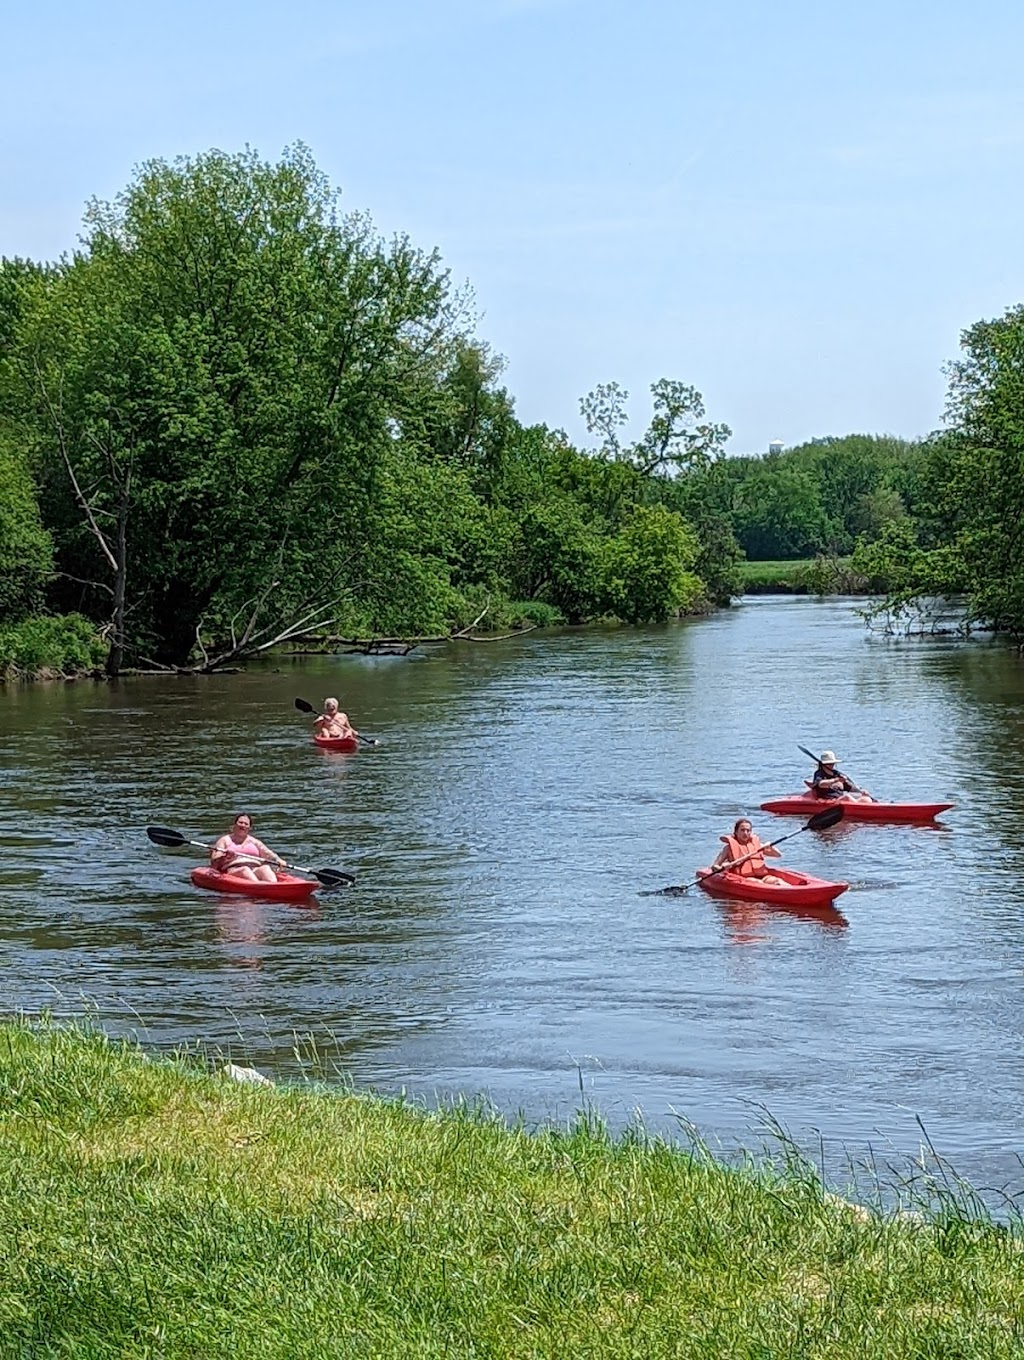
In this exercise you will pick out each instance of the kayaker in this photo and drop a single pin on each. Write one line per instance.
(224, 857)
(332, 722)
(744, 850)
(828, 782)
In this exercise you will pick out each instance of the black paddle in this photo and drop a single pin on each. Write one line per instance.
(304, 706)
(330, 878)
(819, 822)
(812, 756)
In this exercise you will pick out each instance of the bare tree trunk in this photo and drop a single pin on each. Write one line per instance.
(115, 657)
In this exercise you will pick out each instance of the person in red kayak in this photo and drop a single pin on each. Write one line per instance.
(828, 782)
(744, 851)
(239, 841)
(332, 722)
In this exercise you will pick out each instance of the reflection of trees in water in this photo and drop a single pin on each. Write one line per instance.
(981, 685)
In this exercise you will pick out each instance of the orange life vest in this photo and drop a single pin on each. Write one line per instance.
(753, 866)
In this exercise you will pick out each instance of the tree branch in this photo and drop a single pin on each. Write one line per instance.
(83, 504)
(96, 585)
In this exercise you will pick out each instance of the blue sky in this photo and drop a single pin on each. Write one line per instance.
(795, 206)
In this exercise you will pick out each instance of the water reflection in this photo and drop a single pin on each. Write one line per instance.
(244, 923)
(757, 922)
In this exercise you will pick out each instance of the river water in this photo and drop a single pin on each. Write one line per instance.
(526, 793)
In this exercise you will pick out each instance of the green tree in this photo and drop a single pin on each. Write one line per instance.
(679, 438)
(560, 558)
(964, 535)
(647, 566)
(214, 388)
(778, 514)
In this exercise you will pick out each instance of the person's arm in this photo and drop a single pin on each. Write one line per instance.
(770, 852)
(268, 853)
(219, 854)
(723, 858)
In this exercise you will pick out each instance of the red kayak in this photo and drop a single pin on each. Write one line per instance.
(803, 804)
(795, 890)
(337, 743)
(288, 888)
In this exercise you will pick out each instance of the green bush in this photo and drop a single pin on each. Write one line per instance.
(519, 613)
(63, 643)
(647, 566)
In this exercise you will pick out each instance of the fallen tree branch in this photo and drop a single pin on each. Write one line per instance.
(401, 646)
(497, 637)
(156, 666)
(465, 631)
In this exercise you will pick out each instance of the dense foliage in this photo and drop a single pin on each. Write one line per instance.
(966, 536)
(238, 416)
(819, 497)
(248, 417)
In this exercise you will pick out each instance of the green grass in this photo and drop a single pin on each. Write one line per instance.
(150, 1209)
(765, 578)
(804, 576)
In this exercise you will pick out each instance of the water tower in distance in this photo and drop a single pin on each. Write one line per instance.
(776, 446)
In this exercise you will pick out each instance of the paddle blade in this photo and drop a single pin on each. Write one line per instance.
(304, 707)
(163, 835)
(822, 820)
(334, 878)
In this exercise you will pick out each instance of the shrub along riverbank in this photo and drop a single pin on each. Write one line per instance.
(149, 1208)
(49, 647)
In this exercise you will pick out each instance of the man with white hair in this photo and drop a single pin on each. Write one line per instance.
(332, 722)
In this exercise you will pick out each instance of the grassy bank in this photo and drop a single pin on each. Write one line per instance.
(775, 578)
(804, 576)
(149, 1209)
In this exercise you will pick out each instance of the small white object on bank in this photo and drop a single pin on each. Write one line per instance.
(246, 1074)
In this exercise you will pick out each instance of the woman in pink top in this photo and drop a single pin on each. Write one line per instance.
(227, 856)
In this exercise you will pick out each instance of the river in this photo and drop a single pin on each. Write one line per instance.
(525, 794)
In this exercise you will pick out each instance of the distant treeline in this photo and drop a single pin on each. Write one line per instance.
(235, 418)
